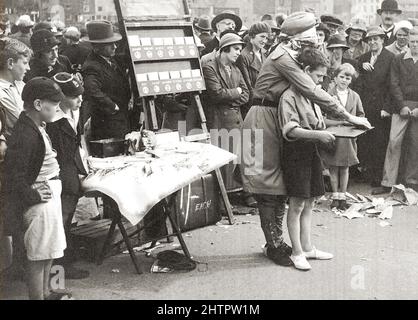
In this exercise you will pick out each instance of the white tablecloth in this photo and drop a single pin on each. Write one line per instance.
(139, 182)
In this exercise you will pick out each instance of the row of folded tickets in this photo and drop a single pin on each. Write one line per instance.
(168, 75)
(171, 86)
(137, 41)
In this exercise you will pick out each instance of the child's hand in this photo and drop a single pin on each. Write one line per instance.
(325, 137)
(384, 114)
(45, 192)
(360, 122)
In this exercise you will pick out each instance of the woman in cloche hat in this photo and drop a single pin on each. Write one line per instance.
(226, 94)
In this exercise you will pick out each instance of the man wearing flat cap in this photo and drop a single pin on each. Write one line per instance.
(73, 50)
(223, 21)
(106, 84)
(334, 24)
(388, 12)
(262, 174)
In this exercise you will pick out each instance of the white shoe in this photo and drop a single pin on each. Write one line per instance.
(300, 262)
(318, 254)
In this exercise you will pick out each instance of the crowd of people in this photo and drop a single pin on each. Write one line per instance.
(290, 77)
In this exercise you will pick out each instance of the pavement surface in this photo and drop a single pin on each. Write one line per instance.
(371, 262)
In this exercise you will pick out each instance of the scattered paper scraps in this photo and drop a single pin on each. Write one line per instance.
(354, 211)
(405, 195)
(155, 268)
(368, 206)
(384, 224)
(149, 247)
(387, 213)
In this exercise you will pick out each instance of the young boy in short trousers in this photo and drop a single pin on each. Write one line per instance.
(32, 184)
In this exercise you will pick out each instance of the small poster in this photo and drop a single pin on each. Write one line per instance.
(189, 40)
(164, 75)
(158, 41)
(186, 73)
(146, 42)
(168, 41)
(153, 76)
(134, 41)
(175, 74)
(196, 73)
(141, 77)
(179, 40)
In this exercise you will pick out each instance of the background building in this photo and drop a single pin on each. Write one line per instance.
(80, 11)
(409, 8)
(365, 9)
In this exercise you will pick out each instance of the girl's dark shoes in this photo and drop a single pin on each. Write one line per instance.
(335, 204)
(343, 205)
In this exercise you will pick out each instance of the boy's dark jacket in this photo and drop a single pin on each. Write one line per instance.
(66, 143)
(22, 164)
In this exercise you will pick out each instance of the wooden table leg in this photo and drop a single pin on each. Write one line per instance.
(107, 241)
(179, 236)
(129, 246)
(225, 196)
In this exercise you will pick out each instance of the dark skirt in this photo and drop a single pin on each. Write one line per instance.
(302, 169)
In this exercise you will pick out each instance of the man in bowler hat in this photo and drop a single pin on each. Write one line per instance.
(223, 21)
(106, 84)
(388, 12)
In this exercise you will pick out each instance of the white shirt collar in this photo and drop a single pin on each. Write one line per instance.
(387, 30)
(61, 114)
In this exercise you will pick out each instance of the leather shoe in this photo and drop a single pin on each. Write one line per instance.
(250, 202)
(278, 256)
(286, 248)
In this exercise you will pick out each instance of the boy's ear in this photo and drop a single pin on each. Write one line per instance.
(307, 69)
(10, 62)
(37, 104)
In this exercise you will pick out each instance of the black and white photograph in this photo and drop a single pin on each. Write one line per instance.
(209, 156)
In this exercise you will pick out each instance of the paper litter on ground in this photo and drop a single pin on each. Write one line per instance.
(387, 213)
(354, 211)
(384, 223)
(406, 195)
